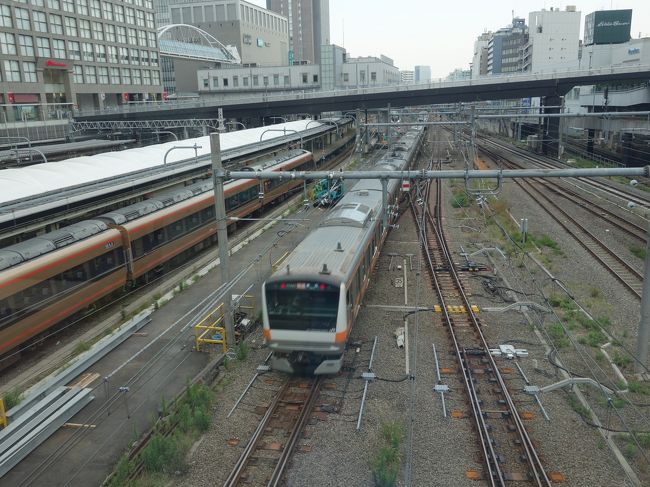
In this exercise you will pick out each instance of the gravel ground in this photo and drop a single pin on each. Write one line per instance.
(340, 455)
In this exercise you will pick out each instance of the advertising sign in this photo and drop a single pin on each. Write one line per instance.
(608, 27)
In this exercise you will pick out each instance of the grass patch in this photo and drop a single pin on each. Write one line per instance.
(639, 388)
(386, 461)
(621, 360)
(578, 407)
(242, 351)
(12, 398)
(80, 348)
(595, 338)
(638, 251)
(558, 336)
(460, 200)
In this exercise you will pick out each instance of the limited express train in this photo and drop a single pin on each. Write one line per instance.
(310, 304)
(53, 276)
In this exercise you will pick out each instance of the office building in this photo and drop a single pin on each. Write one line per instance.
(407, 77)
(83, 53)
(422, 74)
(553, 40)
(260, 36)
(309, 27)
(505, 48)
(479, 66)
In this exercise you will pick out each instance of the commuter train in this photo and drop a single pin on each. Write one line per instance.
(53, 276)
(310, 304)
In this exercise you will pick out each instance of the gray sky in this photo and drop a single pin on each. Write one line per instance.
(442, 34)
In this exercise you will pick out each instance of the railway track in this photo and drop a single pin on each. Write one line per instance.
(269, 450)
(539, 191)
(507, 450)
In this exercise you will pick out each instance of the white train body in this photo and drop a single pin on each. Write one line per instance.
(310, 304)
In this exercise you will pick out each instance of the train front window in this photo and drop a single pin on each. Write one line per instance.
(309, 306)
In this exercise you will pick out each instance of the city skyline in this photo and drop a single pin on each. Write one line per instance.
(374, 27)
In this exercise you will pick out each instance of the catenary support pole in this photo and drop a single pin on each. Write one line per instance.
(222, 234)
(384, 203)
(644, 324)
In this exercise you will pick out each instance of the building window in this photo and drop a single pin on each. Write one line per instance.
(155, 78)
(154, 58)
(276, 80)
(130, 16)
(135, 57)
(100, 53)
(84, 28)
(144, 57)
(58, 48)
(206, 83)
(346, 77)
(74, 51)
(152, 39)
(373, 76)
(151, 24)
(133, 37)
(304, 78)
(26, 45)
(96, 8)
(98, 31)
(90, 74)
(56, 24)
(7, 43)
(265, 80)
(146, 77)
(5, 17)
(68, 6)
(126, 76)
(22, 18)
(121, 34)
(256, 81)
(53, 4)
(12, 70)
(115, 76)
(112, 54)
(102, 72)
(235, 81)
(108, 10)
(82, 7)
(137, 79)
(124, 55)
(110, 32)
(29, 72)
(77, 77)
(245, 80)
(315, 78)
(142, 38)
(286, 80)
(140, 18)
(87, 50)
(71, 27)
(215, 82)
(40, 24)
(225, 82)
(43, 46)
(119, 13)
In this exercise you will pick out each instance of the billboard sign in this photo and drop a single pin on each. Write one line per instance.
(608, 27)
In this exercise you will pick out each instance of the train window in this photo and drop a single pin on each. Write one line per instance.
(175, 230)
(153, 240)
(302, 308)
(137, 248)
(192, 221)
(207, 214)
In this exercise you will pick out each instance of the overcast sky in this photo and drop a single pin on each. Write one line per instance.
(441, 34)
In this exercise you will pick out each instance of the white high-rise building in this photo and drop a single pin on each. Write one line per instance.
(423, 74)
(554, 40)
(480, 58)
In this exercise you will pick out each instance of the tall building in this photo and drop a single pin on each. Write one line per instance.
(260, 36)
(505, 48)
(309, 27)
(88, 53)
(407, 77)
(480, 59)
(553, 40)
(422, 74)
(332, 60)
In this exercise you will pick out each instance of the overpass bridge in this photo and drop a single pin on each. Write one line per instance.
(549, 86)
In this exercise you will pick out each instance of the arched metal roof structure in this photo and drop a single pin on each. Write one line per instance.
(189, 42)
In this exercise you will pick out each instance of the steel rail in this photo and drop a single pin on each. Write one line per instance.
(487, 446)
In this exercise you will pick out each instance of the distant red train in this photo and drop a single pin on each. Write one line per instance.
(50, 277)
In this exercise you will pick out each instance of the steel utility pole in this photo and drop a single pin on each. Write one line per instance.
(222, 235)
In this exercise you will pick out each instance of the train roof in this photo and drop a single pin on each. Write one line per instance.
(19, 183)
(171, 197)
(34, 247)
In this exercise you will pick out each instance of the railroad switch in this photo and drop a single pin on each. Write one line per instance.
(262, 368)
(441, 388)
(368, 376)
